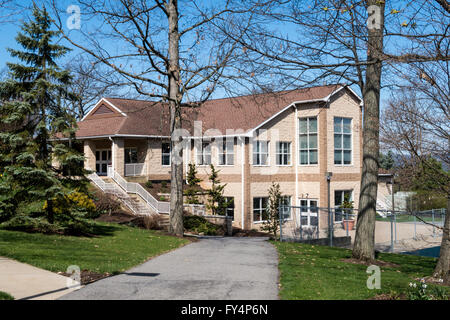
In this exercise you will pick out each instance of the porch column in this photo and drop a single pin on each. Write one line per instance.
(118, 156)
(89, 155)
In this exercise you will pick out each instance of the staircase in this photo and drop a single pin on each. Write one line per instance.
(136, 206)
(164, 222)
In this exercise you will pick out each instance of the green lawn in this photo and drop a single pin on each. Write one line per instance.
(317, 272)
(5, 296)
(115, 249)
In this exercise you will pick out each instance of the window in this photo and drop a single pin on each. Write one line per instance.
(204, 154)
(230, 207)
(283, 153)
(226, 152)
(131, 155)
(339, 197)
(308, 140)
(165, 154)
(260, 153)
(342, 140)
(259, 209)
(285, 207)
(308, 213)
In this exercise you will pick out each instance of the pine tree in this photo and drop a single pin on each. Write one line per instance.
(31, 113)
(387, 161)
(216, 201)
(193, 185)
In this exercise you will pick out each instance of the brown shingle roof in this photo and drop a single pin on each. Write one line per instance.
(152, 118)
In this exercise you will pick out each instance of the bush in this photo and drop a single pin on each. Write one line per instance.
(73, 201)
(149, 184)
(199, 225)
(106, 204)
(421, 291)
(147, 222)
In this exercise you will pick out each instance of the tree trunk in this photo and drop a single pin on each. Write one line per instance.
(364, 246)
(442, 269)
(176, 186)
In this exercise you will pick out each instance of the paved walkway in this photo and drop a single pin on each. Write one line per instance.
(23, 281)
(212, 268)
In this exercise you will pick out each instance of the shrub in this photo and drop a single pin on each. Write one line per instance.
(199, 224)
(106, 203)
(162, 198)
(73, 201)
(421, 291)
(164, 184)
(149, 184)
(147, 222)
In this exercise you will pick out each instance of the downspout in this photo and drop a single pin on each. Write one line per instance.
(296, 156)
(242, 180)
(113, 155)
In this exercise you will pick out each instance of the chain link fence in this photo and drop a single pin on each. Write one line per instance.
(398, 231)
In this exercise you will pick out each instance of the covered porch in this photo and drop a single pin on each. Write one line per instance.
(128, 157)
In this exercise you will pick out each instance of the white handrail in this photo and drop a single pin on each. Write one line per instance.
(132, 187)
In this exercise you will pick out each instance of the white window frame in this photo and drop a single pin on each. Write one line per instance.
(342, 149)
(278, 153)
(307, 134)
(260, 209)
(308, 213)
(125, 155)
(259, 153)
(225, 152)
(288, 205)
(166, 154)
(336, 206)
(204, 153)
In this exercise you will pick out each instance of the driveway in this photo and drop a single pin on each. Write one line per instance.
(212, 268)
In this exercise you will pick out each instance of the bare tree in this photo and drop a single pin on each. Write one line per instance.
(335, 40)
(165, 50)
(416, 124)
(90, 83)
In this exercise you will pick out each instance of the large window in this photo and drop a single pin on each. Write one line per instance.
(131, 155)
(283, 153)
(339, 197)
(260, 153)
(342, 140)
(204, 154)
(285, 207)
(226, 152)
(308, 140)
(230, 207)
(165, 154)
(259, 209)
(308, 213)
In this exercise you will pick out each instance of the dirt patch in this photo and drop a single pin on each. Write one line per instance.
(88, 276)
(375, 262)
(116, 217)
(389, 296)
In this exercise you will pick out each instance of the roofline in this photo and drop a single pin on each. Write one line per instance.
(115, 136)
(110, 104)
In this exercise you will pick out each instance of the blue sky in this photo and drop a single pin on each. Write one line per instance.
(9, 30)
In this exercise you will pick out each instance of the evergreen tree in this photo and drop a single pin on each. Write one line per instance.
(193, 185)
(216, 201)
(31, 114)
(387, 161)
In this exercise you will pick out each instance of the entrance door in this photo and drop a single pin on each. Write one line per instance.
(102, 160)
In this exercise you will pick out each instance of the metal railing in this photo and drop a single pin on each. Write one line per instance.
(397, 231)
(134, 169)
(136, 188)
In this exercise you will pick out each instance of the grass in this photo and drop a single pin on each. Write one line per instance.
(5, 296)
(317, 272)
(115, 249)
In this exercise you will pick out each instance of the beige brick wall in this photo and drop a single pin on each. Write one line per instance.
(89, 154)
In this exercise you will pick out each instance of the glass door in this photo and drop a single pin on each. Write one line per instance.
(102, 160)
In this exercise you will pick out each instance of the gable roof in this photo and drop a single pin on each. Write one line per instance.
(245, 113)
